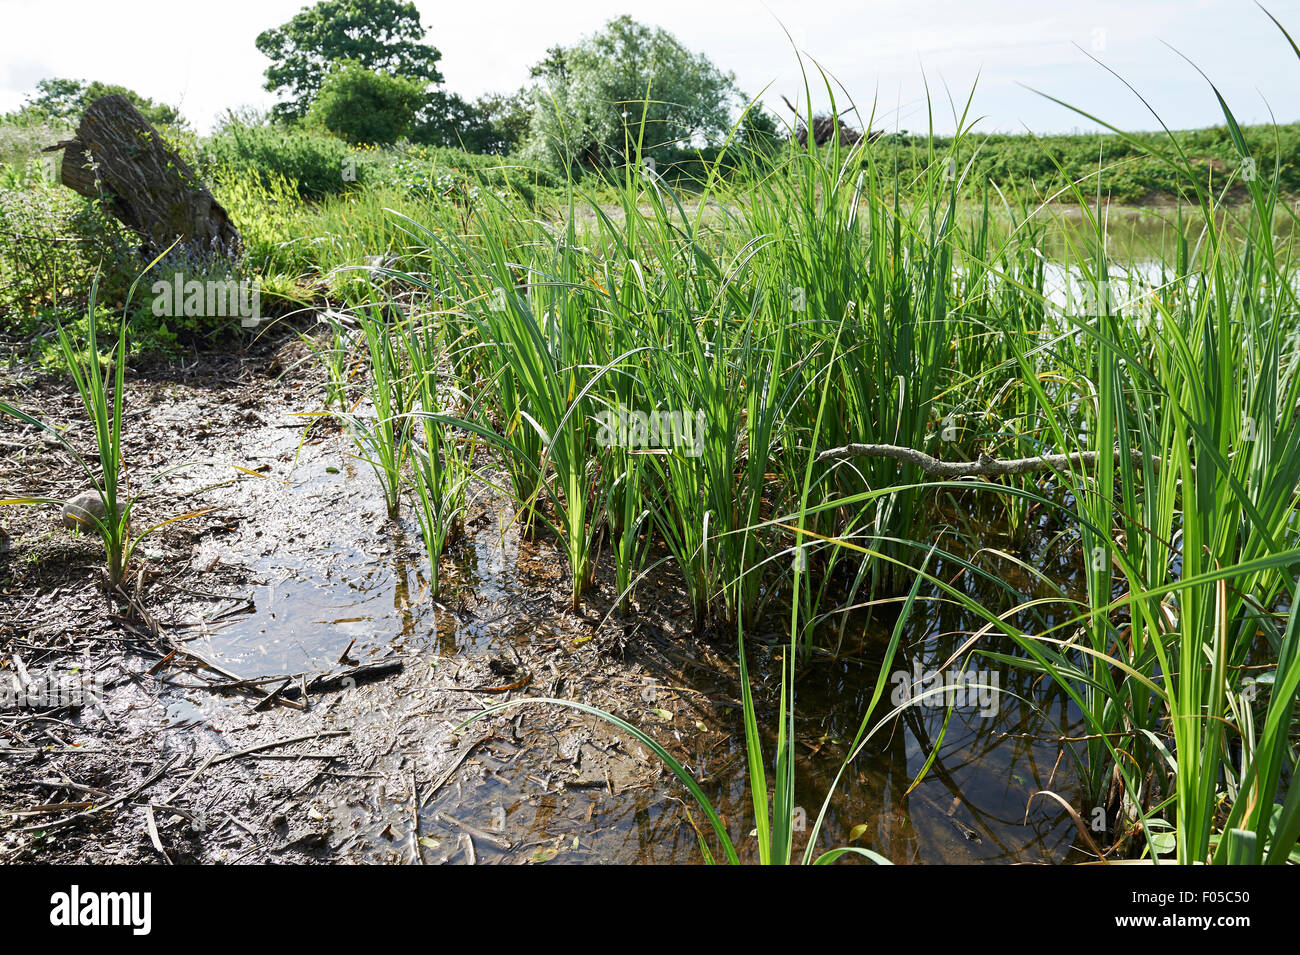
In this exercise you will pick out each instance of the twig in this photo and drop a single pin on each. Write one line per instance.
(153, 833)
(985, 466)
(351, 677)
(517, 685)
(417, 855)
(50, 807)
(271, 697)
(193, 776)
(343, 657)
(451, 770)
(51, 239)
(325, 734)
(502, 844)
(70, 820)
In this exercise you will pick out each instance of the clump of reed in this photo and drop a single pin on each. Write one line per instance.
(825, 305)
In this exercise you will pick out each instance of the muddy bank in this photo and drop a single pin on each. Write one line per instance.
(200, 736)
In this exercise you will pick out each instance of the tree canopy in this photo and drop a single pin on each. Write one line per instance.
(495, 123)
(383, 36)
(363, 106)
(590, 99)
(64, 100)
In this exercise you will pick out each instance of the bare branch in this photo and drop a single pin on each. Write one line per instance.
(984, 467)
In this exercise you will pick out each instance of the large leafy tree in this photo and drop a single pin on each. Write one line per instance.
(447, 119)
(495, 123)
(592, 98)
(363, 106)
(63, 100)
(383, 36)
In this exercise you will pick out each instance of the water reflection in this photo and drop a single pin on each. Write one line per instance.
(988, 755)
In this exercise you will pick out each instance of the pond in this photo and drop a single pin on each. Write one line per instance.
(333, 577)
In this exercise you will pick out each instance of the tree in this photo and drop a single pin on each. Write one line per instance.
(507, 117)
(383, 36)
(446, 119)
(64, 100)
(495, 123)
(591, 98)
(363, 106)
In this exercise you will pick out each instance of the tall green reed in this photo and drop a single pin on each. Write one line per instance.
(102, 394)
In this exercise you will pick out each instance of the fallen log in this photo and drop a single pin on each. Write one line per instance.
(119, 157)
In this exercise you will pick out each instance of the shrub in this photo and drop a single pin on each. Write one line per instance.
(265, 210)
(52, 244)
(425, 171)
(319, 165)
(366, 107)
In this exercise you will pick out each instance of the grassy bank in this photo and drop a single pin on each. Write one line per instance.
(757, 391)
(793, 384)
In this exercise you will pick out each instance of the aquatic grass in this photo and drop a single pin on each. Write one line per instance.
(336, 358)
(834, 298)
(539, 320)
(440, 461)
(1196, 533)
(103, 402)
(383, 436)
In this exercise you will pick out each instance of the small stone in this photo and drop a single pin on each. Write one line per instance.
(78, 512)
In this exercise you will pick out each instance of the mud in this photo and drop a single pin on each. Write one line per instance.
(201, 739)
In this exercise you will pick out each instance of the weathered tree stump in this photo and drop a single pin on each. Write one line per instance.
(827, 129)
(119, 156)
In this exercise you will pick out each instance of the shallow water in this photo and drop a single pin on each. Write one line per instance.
(975, 805)
(1148, 234)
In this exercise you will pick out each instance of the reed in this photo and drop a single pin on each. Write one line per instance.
(826, 299)
(102, 393)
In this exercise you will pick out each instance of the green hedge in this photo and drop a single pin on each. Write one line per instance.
(317, 163)
(424, 171)
(1128, 171)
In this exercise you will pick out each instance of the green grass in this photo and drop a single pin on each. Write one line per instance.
(841, 299)
(101, 390)
(903, 293)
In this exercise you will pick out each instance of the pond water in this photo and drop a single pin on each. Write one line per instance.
(366, 584)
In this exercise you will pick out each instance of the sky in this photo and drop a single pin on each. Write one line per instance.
(202, 57)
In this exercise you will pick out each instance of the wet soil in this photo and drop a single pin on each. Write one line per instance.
(200, 730)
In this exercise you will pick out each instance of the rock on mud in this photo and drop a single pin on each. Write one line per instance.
(78, 511)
